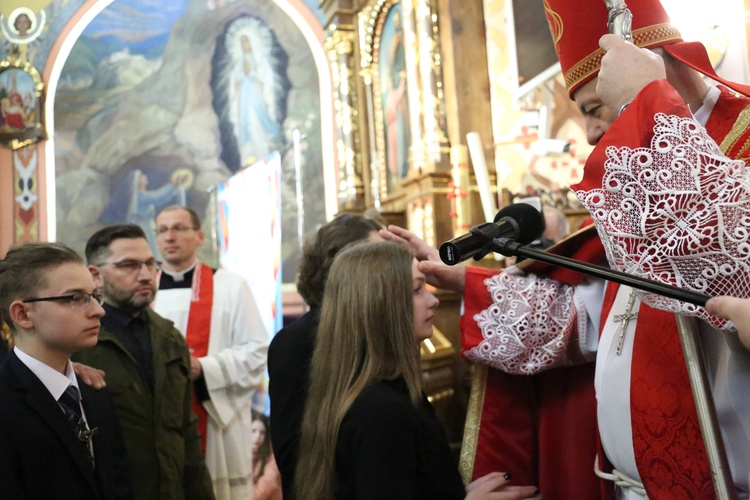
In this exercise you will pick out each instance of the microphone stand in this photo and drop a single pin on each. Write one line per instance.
(507, 246)
(691, 348)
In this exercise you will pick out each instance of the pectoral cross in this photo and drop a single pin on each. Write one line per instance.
(625, 320)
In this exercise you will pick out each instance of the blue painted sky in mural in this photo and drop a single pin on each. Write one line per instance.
(155, 19)
(143, 26)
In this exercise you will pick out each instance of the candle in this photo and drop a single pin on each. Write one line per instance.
(476, 151)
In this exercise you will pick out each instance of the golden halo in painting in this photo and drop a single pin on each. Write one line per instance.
(186, 175)
(23, 25)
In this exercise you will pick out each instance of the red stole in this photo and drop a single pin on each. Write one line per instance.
(667, 441)
(199, 331)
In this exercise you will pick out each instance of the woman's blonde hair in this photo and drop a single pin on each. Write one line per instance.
(365, 334)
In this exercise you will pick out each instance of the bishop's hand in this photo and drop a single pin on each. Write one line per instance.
(626, 69)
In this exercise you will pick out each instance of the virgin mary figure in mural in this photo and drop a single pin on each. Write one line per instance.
(142, 205)
(252, 93)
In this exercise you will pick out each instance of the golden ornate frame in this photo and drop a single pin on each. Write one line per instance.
(429, 145)
(18, 138)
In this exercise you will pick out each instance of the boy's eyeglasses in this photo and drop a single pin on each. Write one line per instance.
(77, 300)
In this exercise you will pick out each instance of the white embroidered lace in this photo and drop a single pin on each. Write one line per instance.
(530, 326)
(678, 212)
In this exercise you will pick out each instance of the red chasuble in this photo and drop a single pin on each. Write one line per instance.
(669, 449)
(541, 428)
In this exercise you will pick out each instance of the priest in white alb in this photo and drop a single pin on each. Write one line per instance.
(228, 342)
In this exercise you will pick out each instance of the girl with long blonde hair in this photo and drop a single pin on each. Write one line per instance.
(368, 430)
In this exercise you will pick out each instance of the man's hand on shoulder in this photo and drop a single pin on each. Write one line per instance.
(90, 375)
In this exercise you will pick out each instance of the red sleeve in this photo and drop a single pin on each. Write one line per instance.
(477, 298)
(634, 128)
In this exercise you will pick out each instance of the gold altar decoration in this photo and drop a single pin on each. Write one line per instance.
(460, 188)
(401, 71)
(21, 95)
(340, 49)
(437, 355)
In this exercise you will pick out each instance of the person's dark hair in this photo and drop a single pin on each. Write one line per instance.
(319, 252)
(23, 272)
(97, 248)
(195, 220)
(264, 451)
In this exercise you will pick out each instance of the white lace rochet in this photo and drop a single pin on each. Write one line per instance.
(677, 212)
(532, 325)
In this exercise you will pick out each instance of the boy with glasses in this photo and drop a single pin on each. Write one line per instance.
(147, 369)
(60, 438)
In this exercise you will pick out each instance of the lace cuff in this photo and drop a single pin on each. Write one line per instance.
(533, 325)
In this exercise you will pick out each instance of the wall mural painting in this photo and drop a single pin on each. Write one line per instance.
(394, 96)
(159, 102)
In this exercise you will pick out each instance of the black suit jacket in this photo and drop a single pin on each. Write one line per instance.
(40, 456)
(3, 349)
(288, 372)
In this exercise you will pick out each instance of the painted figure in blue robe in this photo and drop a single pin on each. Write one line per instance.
(142, 204)
(257, 130)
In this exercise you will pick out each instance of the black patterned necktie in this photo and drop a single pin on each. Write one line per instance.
(69, 402)
(71, 406)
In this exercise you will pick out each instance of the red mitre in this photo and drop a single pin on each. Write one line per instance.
(577, 25)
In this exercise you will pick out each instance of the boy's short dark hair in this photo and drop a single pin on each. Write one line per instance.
(24, 269)
(97, 248)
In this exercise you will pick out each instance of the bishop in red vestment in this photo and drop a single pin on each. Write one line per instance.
(670, 200)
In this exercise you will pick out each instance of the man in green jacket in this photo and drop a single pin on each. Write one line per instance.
(147, 368)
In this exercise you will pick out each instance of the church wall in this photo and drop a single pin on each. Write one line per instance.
(115, 104)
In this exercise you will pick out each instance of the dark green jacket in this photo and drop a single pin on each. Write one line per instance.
(159, 426)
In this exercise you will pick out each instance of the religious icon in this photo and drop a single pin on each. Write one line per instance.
(394, 96)
(254, 85)
(20, 104)
(23, 25)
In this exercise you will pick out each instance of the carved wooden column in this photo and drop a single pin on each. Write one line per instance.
(411, 45)
(436, 145)
(340, 48)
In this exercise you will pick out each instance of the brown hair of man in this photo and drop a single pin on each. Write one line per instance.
(97, 247)
(319, 252)
(195, 220)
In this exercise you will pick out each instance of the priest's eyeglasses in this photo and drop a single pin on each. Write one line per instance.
(132, 265)
(178, 229)
(76, 300)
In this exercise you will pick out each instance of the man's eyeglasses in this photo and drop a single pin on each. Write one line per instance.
(131, 265)
(76, 300)
(178, 229)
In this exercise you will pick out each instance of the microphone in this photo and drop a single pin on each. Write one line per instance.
(520, 222)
